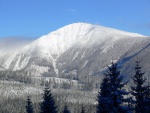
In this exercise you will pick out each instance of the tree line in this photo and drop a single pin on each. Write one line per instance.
(84, 84)
(112, 97)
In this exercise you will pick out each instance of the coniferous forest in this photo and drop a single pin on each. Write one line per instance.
(113, 97)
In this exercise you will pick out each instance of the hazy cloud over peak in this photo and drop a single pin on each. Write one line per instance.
(9, 43)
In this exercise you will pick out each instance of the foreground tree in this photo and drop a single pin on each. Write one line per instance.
(65, 110)
(147, 101)
(48, 103)
(140, 91)
(111, 95)
(29, 107)
(103, 96)
(82, 109)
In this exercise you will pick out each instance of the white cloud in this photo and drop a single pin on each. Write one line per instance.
(11, 43)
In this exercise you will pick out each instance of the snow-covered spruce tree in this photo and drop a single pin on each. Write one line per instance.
(117, 92)
(48, 103)
(147, 101)
(139, 90)
(111, 97)
(130, 103)
(103, 96)
(65, 110)
(29, 107)
(82, 109)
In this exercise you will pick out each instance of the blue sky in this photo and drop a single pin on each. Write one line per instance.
(34, 18)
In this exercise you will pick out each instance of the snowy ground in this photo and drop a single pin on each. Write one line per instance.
(13, 89)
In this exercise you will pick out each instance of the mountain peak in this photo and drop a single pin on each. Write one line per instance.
(77, 35)
(79, 25)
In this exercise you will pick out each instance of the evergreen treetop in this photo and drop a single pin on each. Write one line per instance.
(111, 93)
(103, 96)
(139, 90)
(82, 109)
(65, 110)
(48, 103)
(29, 107)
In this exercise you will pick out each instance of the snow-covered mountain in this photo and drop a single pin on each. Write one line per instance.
(76, 49)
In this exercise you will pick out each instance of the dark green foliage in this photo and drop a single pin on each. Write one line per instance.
(29, 107)
(65, 110)
(48, 103)
(139, 90)
(147, 98)
(103, 96)
(147, 102)
(130, 104)
(82, 109)
(117, 92)
(111, 94)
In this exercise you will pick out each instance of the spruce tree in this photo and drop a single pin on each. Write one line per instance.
(65, 110)
(82, 109)
(48, 103)
(117, 92)
(29, 107)
(139, 90)
(111, 96)
(103, 96)
(130, 105)
(147, 101)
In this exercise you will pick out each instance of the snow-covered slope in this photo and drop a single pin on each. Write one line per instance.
(78, 48)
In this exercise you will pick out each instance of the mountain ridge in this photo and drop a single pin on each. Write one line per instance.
(75, 42)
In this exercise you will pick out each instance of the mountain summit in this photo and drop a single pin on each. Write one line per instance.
(76, 49)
